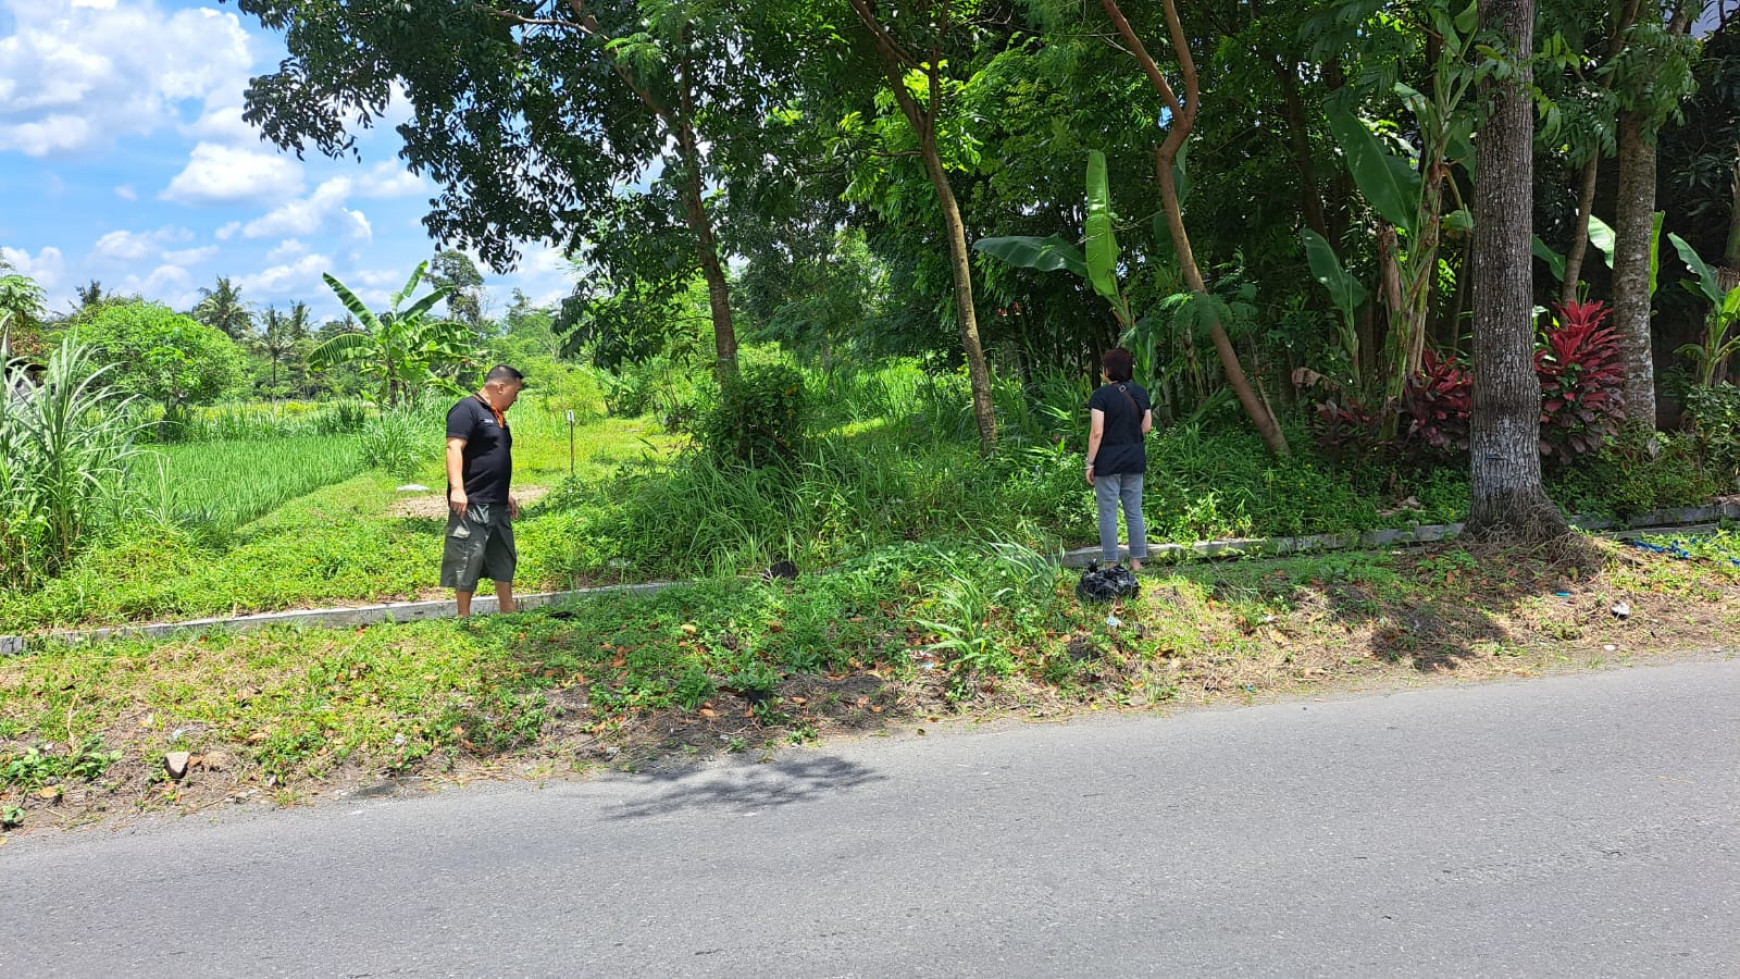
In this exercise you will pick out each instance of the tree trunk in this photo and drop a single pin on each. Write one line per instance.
(1259, 412)
(1580, 231)
(923, 121)
(1509, 503)
(1632, 227)
(1299, 136)
(1177, 131)
(706, 247)
(960, 264)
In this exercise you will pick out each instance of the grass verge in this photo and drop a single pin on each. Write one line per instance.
(896, 640)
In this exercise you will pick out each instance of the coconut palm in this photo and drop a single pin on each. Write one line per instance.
(401, 351)
(223, 308)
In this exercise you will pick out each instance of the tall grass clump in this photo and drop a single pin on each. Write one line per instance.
(64, 445)
(397, 441)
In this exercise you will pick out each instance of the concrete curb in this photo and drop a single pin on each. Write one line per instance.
(1077, 558)
(329, 618)
(1421, 534)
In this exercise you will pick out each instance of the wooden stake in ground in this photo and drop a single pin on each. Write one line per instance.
(1183, 117)
(1509, 503)
(923, 119)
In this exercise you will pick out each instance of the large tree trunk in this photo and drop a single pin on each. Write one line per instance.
(1509, 503)
(1634, 213)
(1177, 131)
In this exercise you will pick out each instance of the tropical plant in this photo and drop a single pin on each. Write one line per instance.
(63, 443)
(1582, 382)
(1345, 291)
(401, 351)
(1721, 339)
(222, 307)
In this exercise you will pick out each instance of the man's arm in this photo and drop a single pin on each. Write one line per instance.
(456, 475)
(1147, 421)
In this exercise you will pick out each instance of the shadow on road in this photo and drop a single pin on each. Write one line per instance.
(746, 788)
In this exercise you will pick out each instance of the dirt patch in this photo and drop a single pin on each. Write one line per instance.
(433, 506)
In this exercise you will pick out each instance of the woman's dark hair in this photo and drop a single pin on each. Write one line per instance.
(1118, 364)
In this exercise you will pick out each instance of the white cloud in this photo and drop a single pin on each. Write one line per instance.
(388, 179)
(217, 174)
(191, 256)
(287, 249)
(126, 247)
(302, 275)
(126, 192)
(46, 266)
(303, 216)
(360, 226)
(228, 231)
(76, 75)
(169, 284)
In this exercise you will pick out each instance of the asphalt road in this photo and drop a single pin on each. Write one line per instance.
(1579, 826)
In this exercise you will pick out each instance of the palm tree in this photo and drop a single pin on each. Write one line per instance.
(281, 334)
(401, 350)
(223, 308)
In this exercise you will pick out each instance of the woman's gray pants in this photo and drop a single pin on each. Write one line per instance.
(1109, 492)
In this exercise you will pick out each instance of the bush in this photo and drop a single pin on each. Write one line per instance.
(1637, 472)
(1439, 401)
(561, 388)
(1714, 414)
(1582, 383)
(162, 356)
(758, 418)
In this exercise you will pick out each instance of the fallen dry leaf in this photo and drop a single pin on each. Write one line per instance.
(689, 628)
(709, 712)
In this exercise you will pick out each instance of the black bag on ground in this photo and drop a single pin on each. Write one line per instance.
(1106, 584)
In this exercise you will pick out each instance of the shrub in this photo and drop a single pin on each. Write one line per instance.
(1581, 375)
(162, 356)
(1714, 414)
(1637, 472)
(1439, 401)
(758, 418)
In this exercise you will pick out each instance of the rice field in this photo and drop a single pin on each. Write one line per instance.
(223, 485)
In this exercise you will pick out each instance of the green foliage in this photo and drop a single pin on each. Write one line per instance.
(238, 422)
(1638, 472)
(1721, 339)
(1714, 413)
(63, 449)
(398, 441)
(39, 766)
(758, 418)
(160, 355)
(403, 351)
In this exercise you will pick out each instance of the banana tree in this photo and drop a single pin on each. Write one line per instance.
(402, 351)
(1096, 261)
(1409, 194)
(1712, 355)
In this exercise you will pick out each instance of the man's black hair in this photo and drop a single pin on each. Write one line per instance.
(502, 372)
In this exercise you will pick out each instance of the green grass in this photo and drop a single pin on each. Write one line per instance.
(337, 544)
(223, 485)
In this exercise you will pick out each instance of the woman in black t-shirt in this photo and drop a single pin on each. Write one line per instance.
(1116, 457)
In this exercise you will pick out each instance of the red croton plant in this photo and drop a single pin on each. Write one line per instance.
(1582, 398)
(1582, 378)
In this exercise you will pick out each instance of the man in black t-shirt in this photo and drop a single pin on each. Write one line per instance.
(480, 499)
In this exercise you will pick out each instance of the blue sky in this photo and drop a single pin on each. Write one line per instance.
(124, 158)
